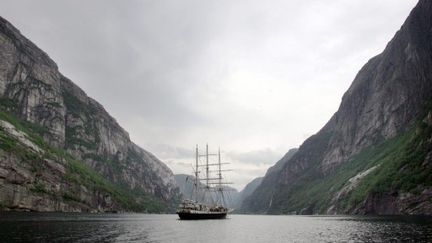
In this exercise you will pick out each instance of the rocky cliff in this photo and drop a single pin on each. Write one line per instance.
(366, 158)
(60, 149)
(247, 191)
(262, 187)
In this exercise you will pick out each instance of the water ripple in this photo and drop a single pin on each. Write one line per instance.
(49, 227)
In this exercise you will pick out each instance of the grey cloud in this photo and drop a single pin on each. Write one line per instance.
(169, 152)
(265, 156)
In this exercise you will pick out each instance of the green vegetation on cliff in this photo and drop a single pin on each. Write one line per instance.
(374, 155)
(77, 173)
(396, 166)
(60, 150)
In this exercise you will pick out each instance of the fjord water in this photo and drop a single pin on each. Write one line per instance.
(49, 227)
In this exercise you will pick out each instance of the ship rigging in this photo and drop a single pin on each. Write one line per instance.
(209, 199)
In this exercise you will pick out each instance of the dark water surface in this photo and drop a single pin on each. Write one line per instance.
(55, 227)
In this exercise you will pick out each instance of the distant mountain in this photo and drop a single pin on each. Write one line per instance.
(374, 156)
(233, 197)
(60, 150)
(249, 190)
(186, 185)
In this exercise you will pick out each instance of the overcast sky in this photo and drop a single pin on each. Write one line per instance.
(254, 77)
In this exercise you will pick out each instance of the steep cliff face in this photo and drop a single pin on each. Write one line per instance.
(263, 187)
(385, 102)
(388, 93)
(40, 97)
(247, 191)
(30, 79)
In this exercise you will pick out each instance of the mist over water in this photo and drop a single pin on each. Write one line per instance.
(49, 227)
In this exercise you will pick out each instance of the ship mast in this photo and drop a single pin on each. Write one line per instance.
(207, 167)
(211, 183)
(196, 173)
(220, 170)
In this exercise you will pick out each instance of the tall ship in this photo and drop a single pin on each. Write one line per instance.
(208, 199)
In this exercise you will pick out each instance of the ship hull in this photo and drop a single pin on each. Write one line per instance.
(197, 216)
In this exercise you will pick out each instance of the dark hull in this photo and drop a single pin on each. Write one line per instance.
(195, 216)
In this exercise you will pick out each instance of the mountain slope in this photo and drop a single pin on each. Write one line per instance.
(380, 126)
(247, 191)
(74, 133)
(263, 186)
